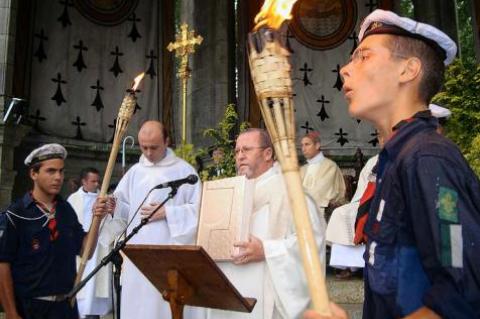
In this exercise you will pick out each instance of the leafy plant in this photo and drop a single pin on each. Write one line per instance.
(461, 96)
(224, 138)
(190, 154)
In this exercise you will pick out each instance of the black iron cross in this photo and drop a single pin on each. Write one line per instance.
(80, 64)
(323, 113)
(58, 96)
(375, 140)
(79, 124)
(40, 53)
(65, 18)
(97, 102)
(305, 70)
(151, 68)
(116, 69)
(134, 34)
(338, 83)
(288, 45)
(112, 126)
(37, 119)
(371, 5)
(307, 127)
(354, 38)
(341, 137)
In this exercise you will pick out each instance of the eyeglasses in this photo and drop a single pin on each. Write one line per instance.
(247, 149)
(361, 54)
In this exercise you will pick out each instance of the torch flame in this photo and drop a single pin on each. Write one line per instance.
(137, 81)
(273, 13)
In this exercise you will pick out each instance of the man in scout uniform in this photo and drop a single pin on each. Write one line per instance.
(40, 237)
(423, 225)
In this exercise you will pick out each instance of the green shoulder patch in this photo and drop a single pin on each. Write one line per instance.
(447, 204)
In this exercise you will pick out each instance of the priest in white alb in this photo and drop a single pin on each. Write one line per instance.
(175, 223)
(321, 177)
(95, 299)
(268, 266)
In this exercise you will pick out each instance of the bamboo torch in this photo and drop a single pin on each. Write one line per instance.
(270, 70)
(124, 115)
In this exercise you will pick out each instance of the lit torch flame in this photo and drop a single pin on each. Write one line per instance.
(137, 81)
(273, 13)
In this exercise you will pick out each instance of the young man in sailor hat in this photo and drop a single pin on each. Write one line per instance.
(40, 237)
(423, 226)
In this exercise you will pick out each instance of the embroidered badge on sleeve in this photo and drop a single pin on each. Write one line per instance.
(447, 205)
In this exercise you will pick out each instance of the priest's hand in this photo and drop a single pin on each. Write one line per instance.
(250, 251)
(337, 313)
(103, 206)
(146, 210)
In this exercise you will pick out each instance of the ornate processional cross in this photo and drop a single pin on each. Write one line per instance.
(183, 47)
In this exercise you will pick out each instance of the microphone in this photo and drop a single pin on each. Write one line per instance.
(190, 179)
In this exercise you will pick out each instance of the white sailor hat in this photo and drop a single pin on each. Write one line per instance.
(439, 111)
(387, 22)
(46, 152)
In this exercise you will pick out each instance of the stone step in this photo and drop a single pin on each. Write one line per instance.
(348, 293)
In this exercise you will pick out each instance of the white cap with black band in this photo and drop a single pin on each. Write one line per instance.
(46, 152)
(387, 22)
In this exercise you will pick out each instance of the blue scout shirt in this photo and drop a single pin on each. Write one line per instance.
(40, 266)
(423, 227)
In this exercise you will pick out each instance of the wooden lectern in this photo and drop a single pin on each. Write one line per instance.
(186, 275)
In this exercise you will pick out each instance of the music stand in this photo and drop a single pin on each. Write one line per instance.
(186, 275)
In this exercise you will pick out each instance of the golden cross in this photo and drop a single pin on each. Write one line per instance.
(185, 42)
(183, 46)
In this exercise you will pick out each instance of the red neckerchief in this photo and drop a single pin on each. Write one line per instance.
(362, 212)
(50, 213)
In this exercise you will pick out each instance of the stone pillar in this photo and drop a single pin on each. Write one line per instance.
(10, 134)
(211, 85)
(476, 27)
(439, 13)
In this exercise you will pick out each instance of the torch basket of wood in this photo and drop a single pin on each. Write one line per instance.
(270, 70)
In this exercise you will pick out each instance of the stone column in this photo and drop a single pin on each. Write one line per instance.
(10, 133)
(211, 85)
(475, 5)
(439, 13)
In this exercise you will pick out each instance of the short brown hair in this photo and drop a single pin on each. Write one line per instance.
(264, 136)
(433, 68)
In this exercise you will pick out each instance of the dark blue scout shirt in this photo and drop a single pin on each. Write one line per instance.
(423, 227)
(40, 267)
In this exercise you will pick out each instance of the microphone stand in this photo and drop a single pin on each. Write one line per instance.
(114, 255)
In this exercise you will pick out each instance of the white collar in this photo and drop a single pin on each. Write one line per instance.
(316, 159)
(169, 159)
(266, 175)
(84, 192)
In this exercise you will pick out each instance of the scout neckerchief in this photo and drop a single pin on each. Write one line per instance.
(363, 208)
(366, 199)
(50, 214)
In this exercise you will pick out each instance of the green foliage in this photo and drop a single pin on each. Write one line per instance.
(461, 96)
(473, 156)
(224, 138)
(188, 153)
(406, 8)
(465, 30)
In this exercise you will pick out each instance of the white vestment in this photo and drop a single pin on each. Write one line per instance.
(95, 297)
(323, 181)
(279, 282)
(140, 299)
(341, 226)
